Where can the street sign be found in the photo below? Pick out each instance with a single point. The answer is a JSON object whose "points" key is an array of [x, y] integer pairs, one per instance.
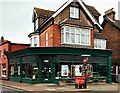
{"points": [[85, 60]]}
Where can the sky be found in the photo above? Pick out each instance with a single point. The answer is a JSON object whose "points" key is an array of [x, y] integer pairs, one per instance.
{"points": [[16, 15]]}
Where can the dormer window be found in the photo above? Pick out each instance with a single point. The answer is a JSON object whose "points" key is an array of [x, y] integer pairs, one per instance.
{"points": [[74, 12]]}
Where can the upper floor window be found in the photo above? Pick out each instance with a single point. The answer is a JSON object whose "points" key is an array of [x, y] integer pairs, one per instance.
{"points": [[46, 39], [74, 12], [99, 44], [31, 42], [35, 41], [0, 54], [36, 24], [72, 35]]}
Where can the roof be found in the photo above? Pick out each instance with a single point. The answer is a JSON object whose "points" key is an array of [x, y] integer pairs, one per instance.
{"points": [[75, 22], [65, 5], [115, 23], [93, 10], [99, 35], [33, 33], [43, 13]]}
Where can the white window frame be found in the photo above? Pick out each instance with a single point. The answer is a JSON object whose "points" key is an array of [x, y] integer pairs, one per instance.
{"points": [[35, 41], [99, 43], [46, 39], [74, 12], [63, 36], [36, 23]]}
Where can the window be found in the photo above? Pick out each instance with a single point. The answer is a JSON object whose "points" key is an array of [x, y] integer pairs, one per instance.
{"points": [[99, 44], [4, 70], [74, 12], [35, 41], [31, 42], [4, 53], [0, 54], [72, 35], [36, 23], [46, 38]]}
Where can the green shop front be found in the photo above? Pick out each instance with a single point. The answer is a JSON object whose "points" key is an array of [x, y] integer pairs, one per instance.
{"points": [[54, 64]]}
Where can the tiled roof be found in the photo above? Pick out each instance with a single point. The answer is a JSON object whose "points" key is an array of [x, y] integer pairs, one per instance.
{"points": [[93, 10], [99, 35], [43, 13], [115, 23], [75, 22]]}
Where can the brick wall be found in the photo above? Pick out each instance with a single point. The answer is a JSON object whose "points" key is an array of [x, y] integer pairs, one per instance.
{"points": [[53, 37], [111, 33]]}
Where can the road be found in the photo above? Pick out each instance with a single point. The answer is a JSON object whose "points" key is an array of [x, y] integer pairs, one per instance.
{"points": [[4, 89]]}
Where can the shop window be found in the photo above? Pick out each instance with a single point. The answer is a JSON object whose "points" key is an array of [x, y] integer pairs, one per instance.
{"points": [[14, 70], [35, 71], [27, 70], [102, 70]]}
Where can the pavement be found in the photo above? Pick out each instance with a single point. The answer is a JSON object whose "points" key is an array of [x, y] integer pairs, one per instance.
{"points": [[63, 88]]}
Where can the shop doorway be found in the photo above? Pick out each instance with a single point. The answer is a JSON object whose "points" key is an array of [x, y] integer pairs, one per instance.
{"points": [[46, 73]]}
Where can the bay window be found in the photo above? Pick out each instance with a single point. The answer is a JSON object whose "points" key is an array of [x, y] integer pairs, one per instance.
{"points": [[99, 44], [72, 35]]}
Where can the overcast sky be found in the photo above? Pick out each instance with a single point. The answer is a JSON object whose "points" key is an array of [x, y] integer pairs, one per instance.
{"points": [[16, 15]]}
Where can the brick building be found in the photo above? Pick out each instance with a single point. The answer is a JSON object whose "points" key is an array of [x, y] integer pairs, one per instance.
{"points": [[59, 43], [111, 29], [6, 45]]}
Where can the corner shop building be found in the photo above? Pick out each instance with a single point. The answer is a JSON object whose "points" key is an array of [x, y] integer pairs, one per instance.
{"points": [[52, 64]]}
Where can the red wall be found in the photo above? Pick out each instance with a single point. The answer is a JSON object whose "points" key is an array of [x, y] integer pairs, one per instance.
{"points": [[10, 47], [15, 47], [53, 37]]}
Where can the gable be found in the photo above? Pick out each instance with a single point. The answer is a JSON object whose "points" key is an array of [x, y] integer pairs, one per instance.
{"points": [[112, 23], [65, 5]]}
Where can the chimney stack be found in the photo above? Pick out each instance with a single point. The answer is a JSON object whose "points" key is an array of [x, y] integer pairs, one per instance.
{"points": [[110, 13], [2, 39]]}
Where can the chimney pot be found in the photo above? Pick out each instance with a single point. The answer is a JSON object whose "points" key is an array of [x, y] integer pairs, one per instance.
{"points": [[110, 13]]}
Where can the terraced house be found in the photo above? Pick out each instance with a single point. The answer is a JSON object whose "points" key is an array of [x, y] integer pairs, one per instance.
{"points": [[111, 29], [59, 43]]}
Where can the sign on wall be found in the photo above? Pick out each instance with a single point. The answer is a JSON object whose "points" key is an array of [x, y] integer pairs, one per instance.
{"points": [[64, 70]]}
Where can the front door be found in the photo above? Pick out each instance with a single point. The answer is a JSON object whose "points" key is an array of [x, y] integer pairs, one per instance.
{"points": [[46, 72]]}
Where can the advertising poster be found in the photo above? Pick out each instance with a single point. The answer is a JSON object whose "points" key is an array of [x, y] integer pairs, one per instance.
{"points": [[65, 70], [78, 70]]}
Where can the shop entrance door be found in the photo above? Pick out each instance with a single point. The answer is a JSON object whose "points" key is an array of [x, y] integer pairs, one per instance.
{"points": [[46, 72]]}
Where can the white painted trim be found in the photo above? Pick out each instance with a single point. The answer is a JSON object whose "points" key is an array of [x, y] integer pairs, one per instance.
{"points": [[81, 3], [90, 15]]}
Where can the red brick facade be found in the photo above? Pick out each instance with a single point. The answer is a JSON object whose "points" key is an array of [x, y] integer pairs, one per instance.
{"points": [[10, 47]]}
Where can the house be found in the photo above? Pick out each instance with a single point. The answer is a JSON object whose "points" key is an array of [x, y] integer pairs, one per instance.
{"points": [[61, 40], [6, 45], [111, 30]]}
